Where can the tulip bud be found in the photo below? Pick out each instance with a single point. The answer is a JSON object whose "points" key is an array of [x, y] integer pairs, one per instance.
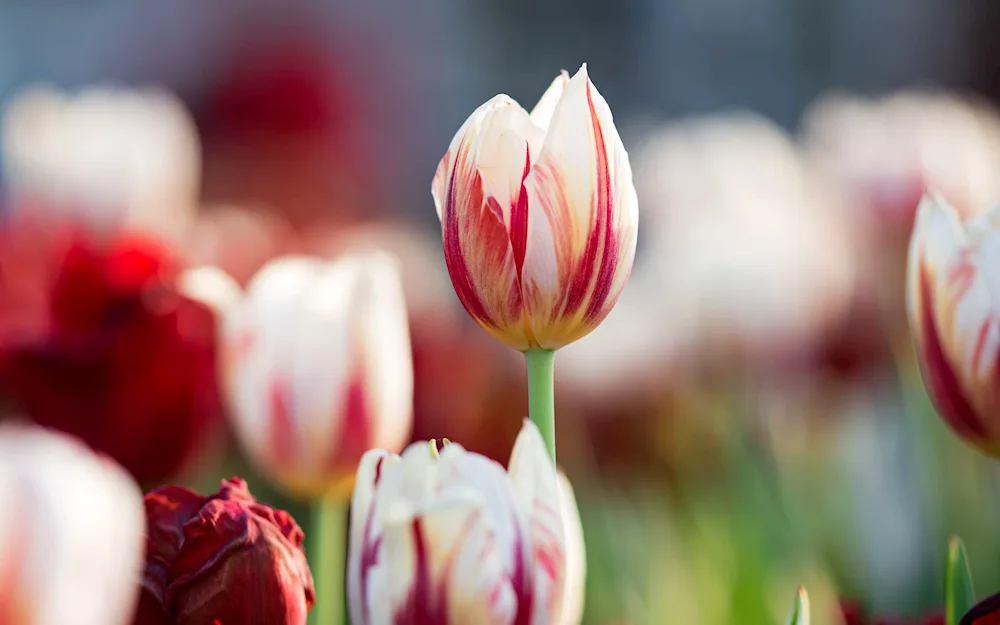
{"points": [[538, 215], [451, 537], [224, 558], [953, 299], [318, 368], [71, 529]]}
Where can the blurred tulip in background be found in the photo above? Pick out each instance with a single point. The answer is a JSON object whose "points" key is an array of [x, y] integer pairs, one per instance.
{"points": [[222, 558], [745, 257], [538, 214], [453, 538], [952, 299], [109, 158], [318, 368], [96, 340], [71, 528]]}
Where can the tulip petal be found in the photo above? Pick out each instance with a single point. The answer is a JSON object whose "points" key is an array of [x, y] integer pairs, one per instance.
{"points": [[953, 314], [571, 610], [363, 552], [444, 568], [541, 115], [582, 219], [385, 368], [261, 343], [537, 489], [477, 247], [211, 286]]}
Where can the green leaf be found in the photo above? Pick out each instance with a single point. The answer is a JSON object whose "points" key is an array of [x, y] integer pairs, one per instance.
{"points": [[800, 608], [958, 593]]}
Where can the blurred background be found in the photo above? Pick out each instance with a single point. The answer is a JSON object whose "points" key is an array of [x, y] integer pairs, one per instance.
{"points": [[750, 417]]}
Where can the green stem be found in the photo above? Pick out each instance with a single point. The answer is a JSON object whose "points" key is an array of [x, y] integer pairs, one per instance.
{"points": [[328, 559], [541, 395]]}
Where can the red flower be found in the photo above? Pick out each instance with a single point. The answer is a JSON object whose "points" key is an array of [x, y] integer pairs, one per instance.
{"points": [[223, 559], [95, 340], [986, 612]]}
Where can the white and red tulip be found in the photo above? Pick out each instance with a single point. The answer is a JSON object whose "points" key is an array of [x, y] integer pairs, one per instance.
{"points": [[452, 538], [71, 532], [104, 158], [317, 367], [538, 215], [953, 300]]}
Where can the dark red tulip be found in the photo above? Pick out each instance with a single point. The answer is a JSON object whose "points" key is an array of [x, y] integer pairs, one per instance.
{"points": [[222, 559], [95, 340], [986, 612]]}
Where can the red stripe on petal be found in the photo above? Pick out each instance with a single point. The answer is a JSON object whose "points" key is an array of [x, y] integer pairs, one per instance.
{"points": [[984, 333], [942, 382], [521, 582], [605, 205], [519, 219], [355, 433], [282, 434], [423, 606], [370, 550], [601, 240], [454, 257]]}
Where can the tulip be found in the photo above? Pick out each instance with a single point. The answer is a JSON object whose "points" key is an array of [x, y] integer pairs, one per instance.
{"points": [[224, 558], [453, 538], [71, 528], [986, 612], [102, 158], [318, 369], [97, 341], [952, 301], [538, 215]]}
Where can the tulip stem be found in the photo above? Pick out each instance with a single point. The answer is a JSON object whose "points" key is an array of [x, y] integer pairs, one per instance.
{"points": [[541, 395], [329, 559]]}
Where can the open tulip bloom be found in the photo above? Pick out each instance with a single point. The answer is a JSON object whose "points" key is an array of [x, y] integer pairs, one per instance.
{"points": [[953, 297], [450, 537], [539, 220]]}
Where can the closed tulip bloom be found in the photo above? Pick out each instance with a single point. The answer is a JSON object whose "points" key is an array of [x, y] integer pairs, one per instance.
{"points": [[538, 215], [224, 558], [453, 538], [318, 368], [953, 300], [71, 532]]}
